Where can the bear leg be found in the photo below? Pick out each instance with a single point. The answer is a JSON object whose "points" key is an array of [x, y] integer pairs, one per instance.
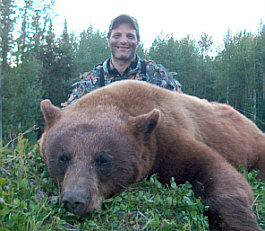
{"points": [[222, 187]]}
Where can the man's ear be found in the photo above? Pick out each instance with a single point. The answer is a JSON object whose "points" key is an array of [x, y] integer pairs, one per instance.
{"points": [[146, 123], [50, 113]]}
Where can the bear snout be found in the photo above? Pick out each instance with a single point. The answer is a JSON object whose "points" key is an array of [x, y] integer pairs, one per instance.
{"points": [[75, 202]]}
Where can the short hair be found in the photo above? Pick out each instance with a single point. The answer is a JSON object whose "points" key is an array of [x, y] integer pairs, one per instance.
{"points": [[124, 18]]}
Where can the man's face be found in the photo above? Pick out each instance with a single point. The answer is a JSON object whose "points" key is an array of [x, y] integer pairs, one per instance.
{"points": [[123, 42]]}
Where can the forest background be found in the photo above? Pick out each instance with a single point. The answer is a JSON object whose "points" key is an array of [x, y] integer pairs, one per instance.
{"points": [[36, 64]]}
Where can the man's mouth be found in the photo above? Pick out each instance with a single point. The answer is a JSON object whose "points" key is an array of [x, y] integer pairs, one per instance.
{"points": [[123, 48]]}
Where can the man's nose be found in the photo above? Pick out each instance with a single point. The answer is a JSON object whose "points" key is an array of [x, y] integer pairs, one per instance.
{"points": [[123, 40]]}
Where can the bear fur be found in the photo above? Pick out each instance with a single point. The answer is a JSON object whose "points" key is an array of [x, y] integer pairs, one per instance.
{"points": [[118, 134]]}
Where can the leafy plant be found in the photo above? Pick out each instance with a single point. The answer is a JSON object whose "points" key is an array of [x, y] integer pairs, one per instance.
{"points": [[258, 188]]}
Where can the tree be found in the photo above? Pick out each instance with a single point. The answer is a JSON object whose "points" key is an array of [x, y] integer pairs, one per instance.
{"points": [[142, 52], [223, 67], [205, 80], [92, 50], [23, 40], [260, 55], [178, 56], [239, 78], [48, 58], [164, 50], [64, 70], [6, 27], [7, 20], [22, 91], [21, 99]]}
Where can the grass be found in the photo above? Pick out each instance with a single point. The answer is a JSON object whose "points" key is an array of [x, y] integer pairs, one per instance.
{"points": [[29, 200]]}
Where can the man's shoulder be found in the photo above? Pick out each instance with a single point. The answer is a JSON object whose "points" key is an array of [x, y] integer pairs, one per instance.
{"points": [[98, 66], [149, 62], [153, 63], [92, 74], [153, 66]]}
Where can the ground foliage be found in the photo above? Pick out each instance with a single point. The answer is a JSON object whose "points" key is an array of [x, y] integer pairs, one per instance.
{"points": [[29, 200]]}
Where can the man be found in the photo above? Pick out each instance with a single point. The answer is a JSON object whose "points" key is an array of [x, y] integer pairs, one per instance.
{"points": [[123, 41]]}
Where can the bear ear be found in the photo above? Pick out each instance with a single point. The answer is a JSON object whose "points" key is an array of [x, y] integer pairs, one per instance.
{"points": [[50, 112], [147, 123]]}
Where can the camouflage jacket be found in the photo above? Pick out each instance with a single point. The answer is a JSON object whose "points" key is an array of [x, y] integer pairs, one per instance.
{"points": [[104, 74]]}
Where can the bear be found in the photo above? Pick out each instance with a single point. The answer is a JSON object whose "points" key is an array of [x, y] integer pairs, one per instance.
{"points": [[118, 134]]}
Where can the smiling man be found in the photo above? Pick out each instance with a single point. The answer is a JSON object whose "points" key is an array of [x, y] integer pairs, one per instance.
{"points": [[123, 41]]}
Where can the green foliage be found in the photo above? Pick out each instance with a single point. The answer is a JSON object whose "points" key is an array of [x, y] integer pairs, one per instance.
{"points": [[240, 75], [7, 21], [142, 52], [92, 50], [59, 67], [183, 57], [258, 188], [29, 200], [149, 204], [23, 206], [21, 98]]}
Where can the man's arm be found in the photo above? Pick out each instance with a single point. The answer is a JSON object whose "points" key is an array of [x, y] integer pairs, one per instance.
{"points": [[157, 74]]}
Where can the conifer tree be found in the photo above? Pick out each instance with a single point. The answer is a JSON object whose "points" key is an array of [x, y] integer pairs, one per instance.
{"points": [[92, 50], [7, 21]]}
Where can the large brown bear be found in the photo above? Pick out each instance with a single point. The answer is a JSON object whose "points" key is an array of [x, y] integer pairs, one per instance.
{"points": [[128, 130]]}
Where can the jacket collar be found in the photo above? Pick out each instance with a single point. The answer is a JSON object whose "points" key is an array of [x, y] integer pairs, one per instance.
{"points": [[110, 70]]}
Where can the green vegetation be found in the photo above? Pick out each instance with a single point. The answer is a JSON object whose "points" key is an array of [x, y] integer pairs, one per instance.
{"points": [[29, 200]]}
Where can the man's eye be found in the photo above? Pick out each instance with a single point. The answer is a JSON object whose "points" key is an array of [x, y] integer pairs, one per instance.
{"points": [[131, 37]]}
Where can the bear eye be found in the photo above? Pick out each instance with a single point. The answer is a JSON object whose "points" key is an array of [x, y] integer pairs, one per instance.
{"points": [[103, 164], [63, 159]]}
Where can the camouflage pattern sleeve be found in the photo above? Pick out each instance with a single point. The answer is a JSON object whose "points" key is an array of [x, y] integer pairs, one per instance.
{"points": [[89, 81], [157, 74]]}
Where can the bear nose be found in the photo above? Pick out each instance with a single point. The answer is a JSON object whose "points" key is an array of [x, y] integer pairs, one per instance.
{"points": [[74, 202]]}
